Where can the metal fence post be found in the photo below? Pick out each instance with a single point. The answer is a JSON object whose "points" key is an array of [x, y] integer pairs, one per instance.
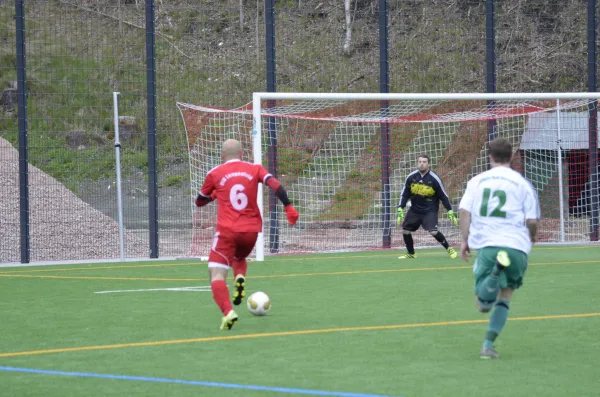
{"points": [[272, 128], [593, 121], [23, 145], [384, 87], [490, 61], [152, 148]]}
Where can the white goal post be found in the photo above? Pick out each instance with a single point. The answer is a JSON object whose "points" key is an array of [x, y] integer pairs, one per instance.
{"points": [[343, 158]]}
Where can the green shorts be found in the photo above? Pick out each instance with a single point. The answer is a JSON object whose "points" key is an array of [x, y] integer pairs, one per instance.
{"points": [[511, 277]]}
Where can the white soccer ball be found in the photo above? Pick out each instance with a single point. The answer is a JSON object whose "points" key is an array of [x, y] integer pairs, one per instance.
{"points": [[259, 303]]}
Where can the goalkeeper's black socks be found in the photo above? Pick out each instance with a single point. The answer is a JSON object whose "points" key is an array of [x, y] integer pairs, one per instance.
{"points": [[408, 241], [442, 240]]}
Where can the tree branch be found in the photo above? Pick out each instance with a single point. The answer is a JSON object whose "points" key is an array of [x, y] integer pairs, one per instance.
{"points": [[166, 37]]}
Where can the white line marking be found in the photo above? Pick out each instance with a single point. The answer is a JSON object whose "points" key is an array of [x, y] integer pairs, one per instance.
{"points": [[203, 288]]}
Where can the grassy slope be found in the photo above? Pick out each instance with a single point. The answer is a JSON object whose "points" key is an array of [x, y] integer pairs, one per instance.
{"points": [[202, 56]]}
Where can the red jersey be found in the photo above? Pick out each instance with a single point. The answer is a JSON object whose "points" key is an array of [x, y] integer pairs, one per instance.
{"points": [[236, 183]]}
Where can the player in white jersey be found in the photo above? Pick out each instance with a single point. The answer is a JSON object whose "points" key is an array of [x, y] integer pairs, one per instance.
{"points": [[499, 215]]}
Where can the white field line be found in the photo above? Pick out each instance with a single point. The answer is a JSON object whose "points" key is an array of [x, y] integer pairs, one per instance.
{"points": [[204, 288]]}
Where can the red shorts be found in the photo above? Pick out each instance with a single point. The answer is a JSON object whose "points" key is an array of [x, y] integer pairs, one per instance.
{"points": [[228, 246]]}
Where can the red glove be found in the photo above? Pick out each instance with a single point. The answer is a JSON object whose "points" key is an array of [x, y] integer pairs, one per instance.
{"points": [[292, 214]]}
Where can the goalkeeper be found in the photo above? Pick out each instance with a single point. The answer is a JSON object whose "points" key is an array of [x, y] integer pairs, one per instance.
{"points": [[425, 189]]}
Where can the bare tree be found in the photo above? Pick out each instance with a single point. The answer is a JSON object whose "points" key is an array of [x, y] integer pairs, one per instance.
{"points": [[120, 17], [349, 20], [257, 30], [242, 15]]}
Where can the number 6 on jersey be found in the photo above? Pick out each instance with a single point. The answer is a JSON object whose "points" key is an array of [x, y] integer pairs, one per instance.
{"points": [[238, 200]]}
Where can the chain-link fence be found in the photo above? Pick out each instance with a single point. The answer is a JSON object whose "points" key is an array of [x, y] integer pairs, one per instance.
{"points": [[216, 53]]}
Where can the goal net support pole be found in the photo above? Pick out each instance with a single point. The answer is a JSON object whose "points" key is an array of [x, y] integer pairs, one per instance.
{"points": [[118, 170], [257, 153], [561, 200]]}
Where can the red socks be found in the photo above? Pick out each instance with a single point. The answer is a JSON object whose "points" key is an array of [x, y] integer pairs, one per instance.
{"points": [[221, 295], [239, 267]]}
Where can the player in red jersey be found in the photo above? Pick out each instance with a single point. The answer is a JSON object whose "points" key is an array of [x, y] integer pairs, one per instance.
{"points": [[234, 184]]}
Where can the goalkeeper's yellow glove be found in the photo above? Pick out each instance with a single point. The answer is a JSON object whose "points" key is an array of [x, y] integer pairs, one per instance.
{"points": [[400, 216], [453, 217]]}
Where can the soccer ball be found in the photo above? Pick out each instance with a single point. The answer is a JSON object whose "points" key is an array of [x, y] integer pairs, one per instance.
{"points": [[259, 303]]}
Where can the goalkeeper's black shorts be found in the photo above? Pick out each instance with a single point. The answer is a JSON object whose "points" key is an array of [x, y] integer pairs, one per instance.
{"points": [[428, 220]]}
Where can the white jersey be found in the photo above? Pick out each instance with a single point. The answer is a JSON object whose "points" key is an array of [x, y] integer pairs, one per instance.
{"points": [[500, 201]]}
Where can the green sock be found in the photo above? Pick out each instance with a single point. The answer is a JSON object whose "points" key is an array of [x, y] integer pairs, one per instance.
{"points": [[497, 322], [488, 288]]}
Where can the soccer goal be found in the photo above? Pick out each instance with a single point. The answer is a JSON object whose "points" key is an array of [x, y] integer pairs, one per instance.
{"points": [[344, 158]]}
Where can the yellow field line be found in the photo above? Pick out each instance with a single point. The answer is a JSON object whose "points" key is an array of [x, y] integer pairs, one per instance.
{"points": [[287, 333], [102, 278], [192, 262], [92, 267], [339, 273]]}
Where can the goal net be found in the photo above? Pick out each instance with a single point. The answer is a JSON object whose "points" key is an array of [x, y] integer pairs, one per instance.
{"points": [[344, 158]]}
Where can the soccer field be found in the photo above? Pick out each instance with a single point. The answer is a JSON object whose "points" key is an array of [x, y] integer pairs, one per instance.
{"points": [[352, 324]]}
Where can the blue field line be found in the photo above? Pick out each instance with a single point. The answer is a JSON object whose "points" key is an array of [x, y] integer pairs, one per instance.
{"points": [[192, 382]]}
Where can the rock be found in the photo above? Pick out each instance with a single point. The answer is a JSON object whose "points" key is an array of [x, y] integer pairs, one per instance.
{"points": [[130, 132], [9, 99], [76, 139]]}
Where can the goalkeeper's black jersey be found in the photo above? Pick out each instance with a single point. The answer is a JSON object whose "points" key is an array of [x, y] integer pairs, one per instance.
{"points": [[424, 192]]}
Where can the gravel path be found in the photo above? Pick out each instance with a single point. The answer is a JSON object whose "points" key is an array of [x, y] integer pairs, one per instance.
{"points": [[63, 227]]}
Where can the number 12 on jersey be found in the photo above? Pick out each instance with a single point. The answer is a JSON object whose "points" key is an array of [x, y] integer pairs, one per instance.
{"points": [[497, 212]]}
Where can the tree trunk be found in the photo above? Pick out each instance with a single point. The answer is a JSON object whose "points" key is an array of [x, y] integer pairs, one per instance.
{"points": [[257, 35], [348, 40], [120, 18], [242, 15]]}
